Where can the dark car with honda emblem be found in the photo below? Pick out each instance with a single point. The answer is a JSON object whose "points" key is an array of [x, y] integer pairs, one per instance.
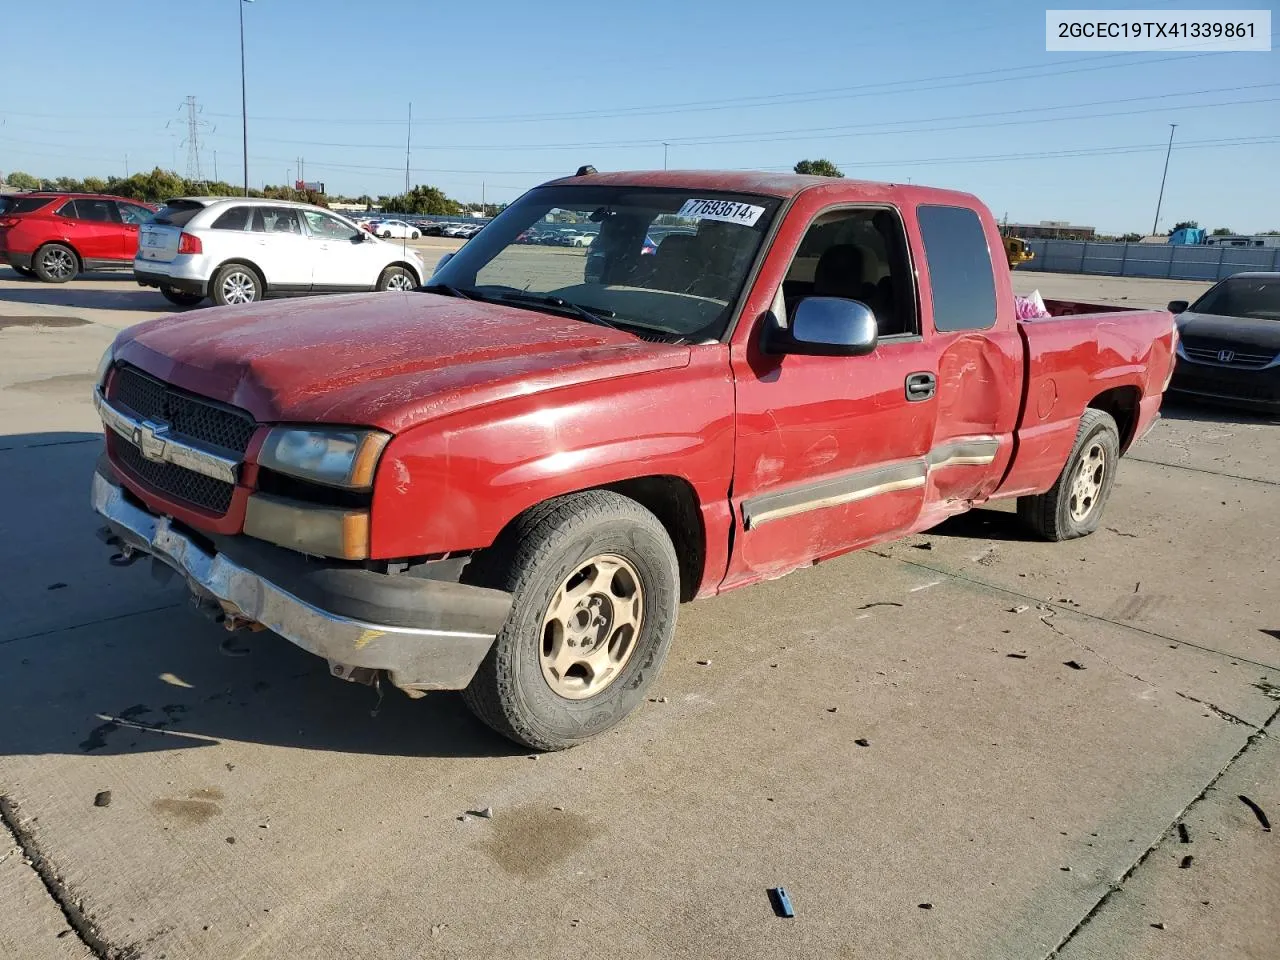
{"points": [[1229, 346]]}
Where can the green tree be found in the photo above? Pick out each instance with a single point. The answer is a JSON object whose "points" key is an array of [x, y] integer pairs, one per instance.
{"points": [[422, 200], [1188, 224], [818, 168], [94, 185], [1131, 238], [23, 181], [1222, 232]]}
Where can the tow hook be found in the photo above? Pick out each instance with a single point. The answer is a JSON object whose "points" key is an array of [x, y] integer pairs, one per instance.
{"points": [[124, 558]]}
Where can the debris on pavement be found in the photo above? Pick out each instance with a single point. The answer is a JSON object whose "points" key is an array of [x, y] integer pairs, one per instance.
{"points": [[925, 906], [832, 709], [1073, 664], [1020, 608], [56, 586], [1186, 862], [863, 742], [485, 814], [927, 545], [1017, 656], [651, 700], [1158, 925], [880, 603], [102, 799], [1184, 835], [1257, 812], [781, 902], [704, 663]]}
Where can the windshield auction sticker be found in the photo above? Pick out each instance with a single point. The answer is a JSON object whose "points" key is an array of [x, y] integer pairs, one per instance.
{"points": [[730, 211], [1195, 31]]}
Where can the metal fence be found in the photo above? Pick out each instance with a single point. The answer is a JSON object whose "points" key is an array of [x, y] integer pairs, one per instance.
{"points": [[1165, 260]]}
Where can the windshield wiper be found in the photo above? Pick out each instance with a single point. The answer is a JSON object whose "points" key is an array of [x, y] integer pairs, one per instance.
{"points": [[597, 316], [446, 289]]}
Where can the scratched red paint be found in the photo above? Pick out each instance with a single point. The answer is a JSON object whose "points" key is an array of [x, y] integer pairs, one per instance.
{"points": [[495, 408]]}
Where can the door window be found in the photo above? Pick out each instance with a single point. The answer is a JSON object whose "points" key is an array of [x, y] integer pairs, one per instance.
{"points": [[857, 254], [95, 211], [276, 220], [964, 288], [326, 227]]}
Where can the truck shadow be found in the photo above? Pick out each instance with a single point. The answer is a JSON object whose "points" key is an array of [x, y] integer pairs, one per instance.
{"points": [[1185, 408], [984, 523], [110, 297], [100, 660]]}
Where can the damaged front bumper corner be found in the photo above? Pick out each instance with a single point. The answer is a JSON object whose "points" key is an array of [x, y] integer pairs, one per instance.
{"points": [[424, 634]]}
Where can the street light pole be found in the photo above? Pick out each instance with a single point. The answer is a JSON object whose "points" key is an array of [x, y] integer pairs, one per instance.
{"points": [[244, 102], [1164, 176]]}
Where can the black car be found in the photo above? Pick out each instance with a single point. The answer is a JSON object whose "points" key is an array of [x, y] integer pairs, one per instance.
{"points": [[1229, 343]]}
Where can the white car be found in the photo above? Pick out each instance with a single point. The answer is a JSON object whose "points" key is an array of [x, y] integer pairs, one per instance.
{"points": [[238, 250], [387, 229], [582, 239]]}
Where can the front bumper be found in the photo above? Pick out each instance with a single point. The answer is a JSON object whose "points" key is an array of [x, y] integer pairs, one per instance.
{"points": [[1252, 389], [425, 634]]}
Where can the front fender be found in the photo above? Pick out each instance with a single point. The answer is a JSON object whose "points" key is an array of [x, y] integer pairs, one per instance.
{"points": [[452, 484]]}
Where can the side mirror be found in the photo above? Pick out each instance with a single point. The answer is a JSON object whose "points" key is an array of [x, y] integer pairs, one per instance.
{"points": [[1177, 306], [824, 327], [440, 265]]}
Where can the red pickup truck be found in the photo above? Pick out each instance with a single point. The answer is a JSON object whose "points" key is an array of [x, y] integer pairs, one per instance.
{"points": [[506, 481]]}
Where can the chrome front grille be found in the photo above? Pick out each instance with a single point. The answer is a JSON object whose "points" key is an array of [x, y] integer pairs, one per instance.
{"points": [[1200, 351], [189, 416]]}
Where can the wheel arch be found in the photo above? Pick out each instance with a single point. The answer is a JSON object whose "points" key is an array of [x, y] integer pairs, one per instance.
{"points": [[242, 261], [1122, 403], [407, 266]]}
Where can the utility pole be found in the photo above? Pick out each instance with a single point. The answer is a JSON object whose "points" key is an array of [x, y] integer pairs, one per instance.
{"points": [[215, 167], [126, 166], [244, 102], [1163, 177], [482, 198], [664, 154], [408, 139]]}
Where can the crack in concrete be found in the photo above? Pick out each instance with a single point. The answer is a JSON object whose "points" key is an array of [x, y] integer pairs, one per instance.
{"points": [[1047, 620], [1074, 610], [91, 623], [72, 908], [1212, 473], [1115, 885], [1222, 714]]}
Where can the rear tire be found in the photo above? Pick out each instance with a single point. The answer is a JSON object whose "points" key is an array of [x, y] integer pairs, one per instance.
{"points": [[595, 584], [397, 278], [179, 298], [235, 284], [55, 263], [1073, 506]]}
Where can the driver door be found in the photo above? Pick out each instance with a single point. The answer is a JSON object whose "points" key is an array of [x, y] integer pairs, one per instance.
{"points": [[831, 451], [340, 260]]}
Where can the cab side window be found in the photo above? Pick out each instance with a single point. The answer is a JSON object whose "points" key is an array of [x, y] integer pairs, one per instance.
{"points": [[857, 254], [964, 288]]}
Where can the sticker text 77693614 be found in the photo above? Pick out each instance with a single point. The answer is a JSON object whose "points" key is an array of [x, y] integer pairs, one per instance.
{"points": [[730, 211]]}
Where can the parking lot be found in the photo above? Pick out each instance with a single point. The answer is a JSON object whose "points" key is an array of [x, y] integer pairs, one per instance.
{"points": [[964, 744]]}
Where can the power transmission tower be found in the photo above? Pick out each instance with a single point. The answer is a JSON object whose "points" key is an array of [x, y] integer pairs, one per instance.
{"points": [[194, 125]]}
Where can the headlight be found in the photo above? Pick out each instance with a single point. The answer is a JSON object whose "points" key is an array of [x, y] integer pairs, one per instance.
{"points": [[104, 366], [335, 456]]}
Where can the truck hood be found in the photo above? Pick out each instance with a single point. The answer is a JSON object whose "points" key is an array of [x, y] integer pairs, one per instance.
{"points": [[386, 360]]}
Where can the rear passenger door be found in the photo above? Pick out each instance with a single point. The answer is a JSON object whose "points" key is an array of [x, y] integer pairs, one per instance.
{"points": [[95, 231], [280, 250], [979, 355]]}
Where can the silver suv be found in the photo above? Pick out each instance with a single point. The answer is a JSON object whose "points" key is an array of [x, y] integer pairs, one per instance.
{"points": [[238, 250]]}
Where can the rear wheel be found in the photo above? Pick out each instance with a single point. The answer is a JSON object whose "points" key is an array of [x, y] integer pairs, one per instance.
{"points": [[595, 584], [55, 263], [235, 283], [396, 278], [385, 234], [179, 298], [1073, 506]]}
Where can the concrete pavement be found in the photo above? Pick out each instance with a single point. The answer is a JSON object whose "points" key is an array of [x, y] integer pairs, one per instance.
{"points": [[1038, 719]]}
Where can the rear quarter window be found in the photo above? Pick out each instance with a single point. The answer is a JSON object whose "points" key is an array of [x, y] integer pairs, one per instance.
{"points": [[237, 218], [13, 205], [178, 212], [964, 288]]}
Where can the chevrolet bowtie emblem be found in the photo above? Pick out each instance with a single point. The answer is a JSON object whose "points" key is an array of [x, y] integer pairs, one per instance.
{"points": [[150, 439]]}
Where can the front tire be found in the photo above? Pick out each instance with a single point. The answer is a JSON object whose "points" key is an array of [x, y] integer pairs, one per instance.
{"points": [[235, 284], [397, 278], [415, 235], [55, 263], [1073, 506], [595, 584], [179, 298]]}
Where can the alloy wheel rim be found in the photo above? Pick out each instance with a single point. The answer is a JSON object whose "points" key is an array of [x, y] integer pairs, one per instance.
{"points": [[239, 287], [399, 281], [58, 263], [591, 627], [1086, 484]]}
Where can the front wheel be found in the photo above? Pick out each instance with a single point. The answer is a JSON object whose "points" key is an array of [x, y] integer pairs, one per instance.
{"points": [[236, 284], [179, 298], [396, 278], [595, 584], [415, 235], [56, 263], [1073, 506]]}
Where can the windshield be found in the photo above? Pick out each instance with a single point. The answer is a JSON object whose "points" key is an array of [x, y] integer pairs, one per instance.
{"points": [[1257, 298], [666, 261]]}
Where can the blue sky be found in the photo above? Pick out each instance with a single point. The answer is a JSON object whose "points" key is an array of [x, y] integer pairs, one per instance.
{"points": [[509, 93]]}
